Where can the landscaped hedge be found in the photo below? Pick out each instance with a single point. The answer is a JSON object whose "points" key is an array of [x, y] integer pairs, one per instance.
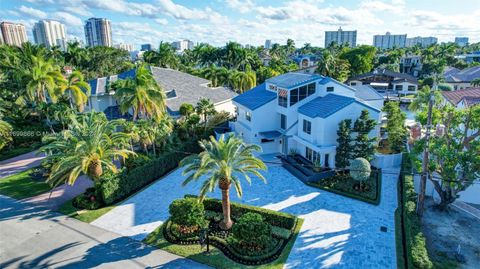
{"points": [[275, 218], [116, 187], [417, 254]]}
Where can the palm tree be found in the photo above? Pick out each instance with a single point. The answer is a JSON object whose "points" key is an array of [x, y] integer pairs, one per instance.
{"points": [[75, 55], [141, 93], [243, 81], [43, 80], [476, 82], [78, 89], [89, 145], [222, 162], [164, 57], [205, 107]]}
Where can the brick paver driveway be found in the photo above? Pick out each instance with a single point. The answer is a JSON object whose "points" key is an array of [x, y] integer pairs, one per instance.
{"points": [[338, 232]]}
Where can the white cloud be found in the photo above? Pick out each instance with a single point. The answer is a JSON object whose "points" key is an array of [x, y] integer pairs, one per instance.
{"points": [[161, 21], [395, 6], [36, 13], [240, 6], [68, 19]]}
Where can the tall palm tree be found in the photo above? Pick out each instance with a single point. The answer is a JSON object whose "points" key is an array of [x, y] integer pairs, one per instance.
{"points": [[223, 162], [89, 146], [78, 89], [141, 93], [243, 81], [75, 55], [43, 80], [163, 57]]}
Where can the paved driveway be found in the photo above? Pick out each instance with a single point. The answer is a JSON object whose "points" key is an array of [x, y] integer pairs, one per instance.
{"points": [[338, 232], [31, 237]]}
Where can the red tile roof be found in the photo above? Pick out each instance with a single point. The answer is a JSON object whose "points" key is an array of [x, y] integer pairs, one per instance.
{"points": [[455, 97]]}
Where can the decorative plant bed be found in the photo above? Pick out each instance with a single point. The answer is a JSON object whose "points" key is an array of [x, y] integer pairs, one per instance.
{"points": [[285, 229], [345, 185]]}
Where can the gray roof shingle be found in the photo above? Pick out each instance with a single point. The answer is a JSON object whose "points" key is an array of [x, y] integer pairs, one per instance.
{"points": [[465, 75], [366, 92]]}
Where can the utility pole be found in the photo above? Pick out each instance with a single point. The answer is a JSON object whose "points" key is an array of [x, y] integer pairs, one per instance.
{"points": [[423, 180]]}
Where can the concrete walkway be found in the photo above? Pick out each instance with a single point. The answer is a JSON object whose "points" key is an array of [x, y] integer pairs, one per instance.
{"points": [[338, 232], [61, 194], [31, 237], [20, 163]]}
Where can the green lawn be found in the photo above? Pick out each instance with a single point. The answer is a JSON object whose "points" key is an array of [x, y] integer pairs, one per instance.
{"points": [[22, 185], [216, 258], [83, 214]]}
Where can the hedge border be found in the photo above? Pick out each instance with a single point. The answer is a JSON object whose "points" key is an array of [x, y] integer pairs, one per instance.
{"points": [[413, 236], [230, 252], [354, 196]]}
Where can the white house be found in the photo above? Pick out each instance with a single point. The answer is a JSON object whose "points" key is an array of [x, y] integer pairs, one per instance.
{"points": [[179, 87], [300, 112]]}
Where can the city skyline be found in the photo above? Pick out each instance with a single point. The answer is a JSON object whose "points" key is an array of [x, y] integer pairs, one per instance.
{"points": [[217, 22]]}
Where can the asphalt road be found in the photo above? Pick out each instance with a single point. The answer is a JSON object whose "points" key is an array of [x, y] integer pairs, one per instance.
{"points": [[34, 237]]}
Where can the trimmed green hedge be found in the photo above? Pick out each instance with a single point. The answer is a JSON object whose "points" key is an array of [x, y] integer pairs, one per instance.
{"points": [[417, 254], [116, 187], [275, 218]]}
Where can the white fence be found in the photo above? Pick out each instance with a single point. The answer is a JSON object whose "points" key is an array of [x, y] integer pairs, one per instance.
{"points": [[387, 160]]}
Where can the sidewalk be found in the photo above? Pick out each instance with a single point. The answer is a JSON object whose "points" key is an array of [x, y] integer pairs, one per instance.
{"points": [[20, 163], [31, 237]]}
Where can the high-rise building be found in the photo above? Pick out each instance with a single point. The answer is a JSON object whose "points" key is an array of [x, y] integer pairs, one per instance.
{"points": [[461, 41], [123, 46], [341, 37], [268, 44], [50, 33], [146, 47], [13, 34], [389, 41], [182, 45], [98, 32], [422, 41], [1, 38]]}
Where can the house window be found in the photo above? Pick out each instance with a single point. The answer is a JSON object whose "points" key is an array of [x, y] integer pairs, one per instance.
{"points": [[307, 126], [283, 121], [330, 89], [236, 111], [326, 160], [248, 115], [411, 88], [293, 96], [272, 88], [311, 89], [353, 84], [398, 88], [282, 97], [302, 93], [266, 140]]}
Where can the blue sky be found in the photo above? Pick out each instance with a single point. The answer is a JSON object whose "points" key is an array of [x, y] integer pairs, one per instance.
{"points": [[252, 21]]}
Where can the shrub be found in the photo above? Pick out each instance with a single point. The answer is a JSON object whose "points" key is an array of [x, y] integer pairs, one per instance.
{"points": [[187, 212], [137, 161], [88, 200], [419, 252], [275, 218], [281, 233], [115, 187], [360, 169], [251, 230]]}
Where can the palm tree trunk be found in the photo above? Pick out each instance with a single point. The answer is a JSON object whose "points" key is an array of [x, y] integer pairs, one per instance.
{"points": [[227, 222]]}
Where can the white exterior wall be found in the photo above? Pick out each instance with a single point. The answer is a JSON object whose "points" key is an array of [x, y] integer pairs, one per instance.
{"points": [[338, 89], [226, 106], [405, 88], [100, 103]]}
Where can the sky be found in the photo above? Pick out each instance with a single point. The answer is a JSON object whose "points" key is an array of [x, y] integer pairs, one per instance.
{"points": [[253, 21]]}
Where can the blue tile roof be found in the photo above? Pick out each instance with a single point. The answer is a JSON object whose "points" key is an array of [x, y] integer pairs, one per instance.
{"points": [[290, 80], [255, 97], [325, 106], [328, 105]]}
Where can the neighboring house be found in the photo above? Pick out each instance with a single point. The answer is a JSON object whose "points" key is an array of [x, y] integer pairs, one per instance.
{"points": [[387, 81], [300, 112], [179, 87], [461, 79], [469, 58], [411, 64], [462, 98], [305, 60], [369, 95]]}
